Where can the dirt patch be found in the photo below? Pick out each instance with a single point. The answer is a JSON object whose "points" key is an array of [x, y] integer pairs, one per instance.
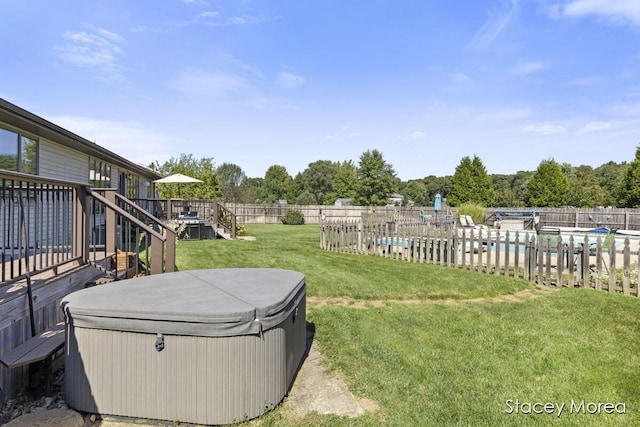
{"points": [[318, 390], [319, 302]]}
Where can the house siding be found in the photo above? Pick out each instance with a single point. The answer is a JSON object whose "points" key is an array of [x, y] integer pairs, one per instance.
{"points": [[57, 161]]}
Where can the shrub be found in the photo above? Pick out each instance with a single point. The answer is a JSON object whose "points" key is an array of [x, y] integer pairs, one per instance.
{"points": [[474, 210], [293, 218]]}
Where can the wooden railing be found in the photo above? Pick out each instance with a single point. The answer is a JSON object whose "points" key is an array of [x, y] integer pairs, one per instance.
{"points": [[598, 261], [148, 244], [42, 225], [213, 211], [48, 223], [225, 219]]}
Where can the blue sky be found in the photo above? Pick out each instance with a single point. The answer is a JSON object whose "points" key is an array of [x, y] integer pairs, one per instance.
{"points": [[289, 82]]}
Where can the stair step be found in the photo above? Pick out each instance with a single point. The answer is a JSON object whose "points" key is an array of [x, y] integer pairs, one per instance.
{"points": [[99, 281]]}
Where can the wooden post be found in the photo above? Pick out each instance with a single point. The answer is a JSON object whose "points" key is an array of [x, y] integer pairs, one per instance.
{"points": [[598, 263], [570, 262], [81, 229], [156, 255], [170, 251], [488, 270], [110, 222], [233, 226], [612, 266], [507, 252], [626, 276], [516, 255]]}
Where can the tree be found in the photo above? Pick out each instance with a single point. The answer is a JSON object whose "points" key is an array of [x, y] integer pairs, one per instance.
{"points": [[375, 180], [344, 183], [506, 195], [416, 191], [630, 191], [306, 198], [610, 177], [436, 185], [249, 190], [202, 169], [275, 185], [297, 188], [319, 176], [230, 177], [470, 183], [585, 189], [548, 186]]}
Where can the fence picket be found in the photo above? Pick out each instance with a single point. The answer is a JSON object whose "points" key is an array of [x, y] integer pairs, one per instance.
{"points": [[626, 289], [544, 261]]}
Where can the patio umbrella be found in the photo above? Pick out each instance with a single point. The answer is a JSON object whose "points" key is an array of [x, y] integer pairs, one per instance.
{"points": [[176, 178]]}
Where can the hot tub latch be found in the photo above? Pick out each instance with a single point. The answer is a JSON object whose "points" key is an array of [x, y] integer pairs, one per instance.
{"points": [[159, 342]]}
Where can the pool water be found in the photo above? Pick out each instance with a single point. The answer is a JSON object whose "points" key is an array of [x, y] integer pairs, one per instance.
{"points": [[512, 248]]}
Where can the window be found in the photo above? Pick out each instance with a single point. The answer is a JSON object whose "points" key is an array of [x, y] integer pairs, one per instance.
{"points": [[133, 186], [28, 155], [18, 152], [8, 150], [99, 173]]}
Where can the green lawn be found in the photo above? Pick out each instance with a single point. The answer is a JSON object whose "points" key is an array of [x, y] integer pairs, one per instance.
{"points": [[438, 363]]}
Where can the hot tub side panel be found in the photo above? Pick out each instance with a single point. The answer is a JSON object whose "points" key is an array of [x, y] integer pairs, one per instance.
{"points": [[205, 380], [296, 339]]}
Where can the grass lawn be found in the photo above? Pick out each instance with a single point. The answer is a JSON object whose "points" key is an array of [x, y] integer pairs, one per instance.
{"points": [[450, 363]]}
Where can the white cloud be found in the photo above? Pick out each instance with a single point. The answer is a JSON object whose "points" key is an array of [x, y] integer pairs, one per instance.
{"points": [[545, 129], [528, 68], [594, 127], [129, 139], [614, 11], [584, 81], [495, 24], [413, 135], [290, 81], [210, 84], [461, 77], [238, 20], [207, 14], [217, 20], [96, 48]]}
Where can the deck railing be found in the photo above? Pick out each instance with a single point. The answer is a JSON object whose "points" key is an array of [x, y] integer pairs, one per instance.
{"points": [[212, 211], [39, 224], [146, 245], [47, 223], [605, 262]]}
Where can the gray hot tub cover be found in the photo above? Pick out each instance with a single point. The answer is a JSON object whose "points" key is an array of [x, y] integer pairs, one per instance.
{"points": [[210, 303]]}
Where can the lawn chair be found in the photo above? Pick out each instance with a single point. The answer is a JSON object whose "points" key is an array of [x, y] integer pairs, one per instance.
{"points": [[473, 225], [606, 246]]}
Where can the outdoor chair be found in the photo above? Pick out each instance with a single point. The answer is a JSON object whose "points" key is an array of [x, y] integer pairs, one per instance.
{"points": [[471, 224]]}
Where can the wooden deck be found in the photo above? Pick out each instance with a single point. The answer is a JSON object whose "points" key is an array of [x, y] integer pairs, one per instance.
{"points": [[36, 349]]}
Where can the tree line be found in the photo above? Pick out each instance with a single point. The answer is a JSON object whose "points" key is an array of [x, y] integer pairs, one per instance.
{"points": [[373, 179]]}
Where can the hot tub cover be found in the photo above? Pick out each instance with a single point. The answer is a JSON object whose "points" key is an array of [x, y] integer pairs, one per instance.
{"points": [[211, 303]]}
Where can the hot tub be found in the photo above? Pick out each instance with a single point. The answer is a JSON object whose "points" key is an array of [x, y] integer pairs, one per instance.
{"points": [[203, 346]]}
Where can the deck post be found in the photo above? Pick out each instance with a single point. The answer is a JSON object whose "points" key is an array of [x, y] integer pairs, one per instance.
{"points": [[81, 228], [110, 222]]}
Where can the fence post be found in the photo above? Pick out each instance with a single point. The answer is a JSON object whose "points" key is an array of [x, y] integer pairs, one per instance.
{"points": [[626, 272], [612, 266], [233, 226], [81, 228]]}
